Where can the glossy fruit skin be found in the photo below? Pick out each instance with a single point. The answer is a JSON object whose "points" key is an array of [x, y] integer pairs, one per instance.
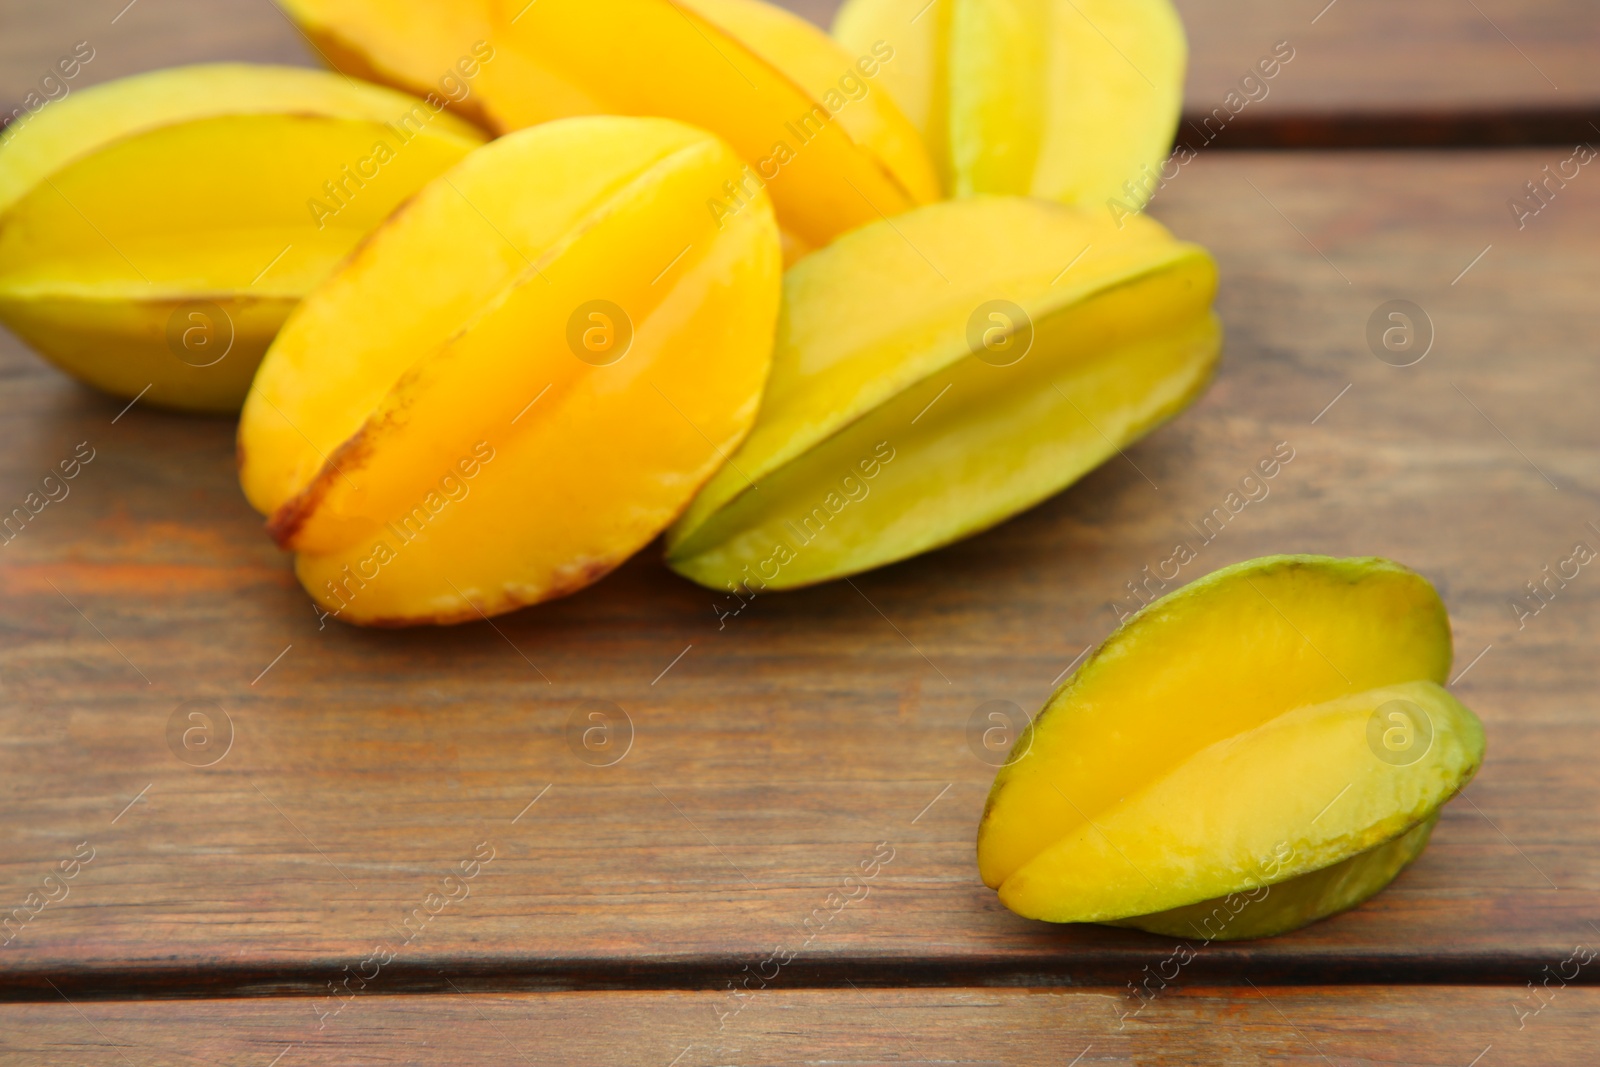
{"points": [[1269, 909], [831, 148], [891, 428], [1245, 709], [1072, 100], [156, 231], [519, 379], [426, 48], [701, 62]]}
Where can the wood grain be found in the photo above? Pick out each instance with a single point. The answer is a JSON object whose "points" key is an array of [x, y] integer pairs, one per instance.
{"points": [[1363, 72], [1368, 55], [771, 754], [1350, 1027]]}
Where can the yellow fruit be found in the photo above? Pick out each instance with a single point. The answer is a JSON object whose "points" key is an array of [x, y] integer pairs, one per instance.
{"points": [[1266, 909], [155, 231], [808, 116], [937, 374], [520, 378], [1072, 100], [1267, 746], [424, 47]]}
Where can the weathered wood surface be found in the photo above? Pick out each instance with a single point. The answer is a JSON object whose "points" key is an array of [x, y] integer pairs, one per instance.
{"points": [[772, 752], [1318, 1027], [1451, 71]]}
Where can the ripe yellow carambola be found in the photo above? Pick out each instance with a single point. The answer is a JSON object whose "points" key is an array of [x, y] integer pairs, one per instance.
{"points": [[155, 231], [520, 378], [807, 115], [937, 374], [1263, 748], [431, 48], [1073, 100]]}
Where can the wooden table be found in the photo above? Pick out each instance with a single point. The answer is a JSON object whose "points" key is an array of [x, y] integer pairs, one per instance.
{"points": [[227, 909]]}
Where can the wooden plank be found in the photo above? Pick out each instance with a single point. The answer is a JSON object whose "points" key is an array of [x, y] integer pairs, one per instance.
{"points": [[1363, 71], [1374, 56], [1351, 1027], [774, 750]]}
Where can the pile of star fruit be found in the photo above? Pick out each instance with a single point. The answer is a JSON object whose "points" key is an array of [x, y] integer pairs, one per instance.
{"points": [[520, 287]]}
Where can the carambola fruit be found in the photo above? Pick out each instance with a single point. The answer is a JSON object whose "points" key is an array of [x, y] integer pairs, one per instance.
{"points": [[427, 48], [1073, 100], [1267, 746], [520, 378], [937, 373], [156, 231], [807, 115]]}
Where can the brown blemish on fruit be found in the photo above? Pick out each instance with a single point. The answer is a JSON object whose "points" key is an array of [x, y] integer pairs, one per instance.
{"points": [[581, 577], [293, 514]]}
